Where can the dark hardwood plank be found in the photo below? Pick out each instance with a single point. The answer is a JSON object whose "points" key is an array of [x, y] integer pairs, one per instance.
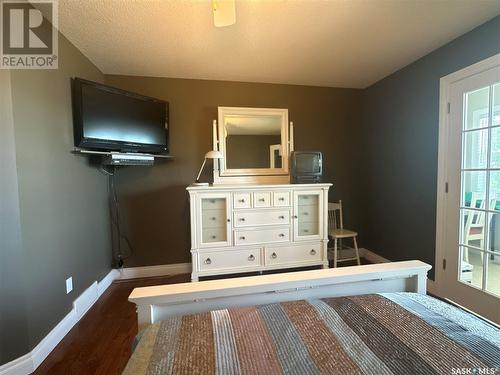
{"points": [[101, 341]]}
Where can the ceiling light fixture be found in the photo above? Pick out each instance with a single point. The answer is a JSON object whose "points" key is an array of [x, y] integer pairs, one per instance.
{"points": [[224, 12]]}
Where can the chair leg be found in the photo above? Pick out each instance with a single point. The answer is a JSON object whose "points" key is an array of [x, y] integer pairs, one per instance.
{"points": [[335, 253], [357, 251]]}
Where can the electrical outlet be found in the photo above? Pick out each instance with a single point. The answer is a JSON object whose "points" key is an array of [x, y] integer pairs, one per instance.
{"points": [[69, 285]]}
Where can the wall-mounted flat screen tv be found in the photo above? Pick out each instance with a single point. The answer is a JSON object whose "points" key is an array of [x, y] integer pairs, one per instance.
{"points": [[110, 119]]}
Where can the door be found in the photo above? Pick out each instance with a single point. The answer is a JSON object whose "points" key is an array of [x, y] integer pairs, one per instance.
{"points": [[307, 215], [472, 240], [214, 228]]}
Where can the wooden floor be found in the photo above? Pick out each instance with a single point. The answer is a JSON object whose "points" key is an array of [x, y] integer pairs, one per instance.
{"points": [[101, 341]]}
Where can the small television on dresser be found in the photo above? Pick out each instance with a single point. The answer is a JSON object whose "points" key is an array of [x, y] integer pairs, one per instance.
{"points": [[307, 167]]}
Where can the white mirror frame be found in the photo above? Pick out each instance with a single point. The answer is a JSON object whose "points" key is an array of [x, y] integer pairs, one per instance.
{"points": [[249, 174]]}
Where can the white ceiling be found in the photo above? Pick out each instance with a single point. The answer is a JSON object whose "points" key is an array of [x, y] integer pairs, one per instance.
{"points": [[340, 43]]}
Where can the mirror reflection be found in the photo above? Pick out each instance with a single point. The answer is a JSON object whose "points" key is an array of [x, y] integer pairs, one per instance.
{"points": [[253, 141]]}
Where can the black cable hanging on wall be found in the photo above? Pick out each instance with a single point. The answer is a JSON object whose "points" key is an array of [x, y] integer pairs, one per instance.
{"points": [[114, 213]]}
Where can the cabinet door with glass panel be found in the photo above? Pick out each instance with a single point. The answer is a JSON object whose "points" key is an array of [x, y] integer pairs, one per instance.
{"points": [[214, 230], [308, 215]]}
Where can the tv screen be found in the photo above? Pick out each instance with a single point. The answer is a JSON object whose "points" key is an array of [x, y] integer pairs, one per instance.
{"points": [[110, 119], [307, 163]]}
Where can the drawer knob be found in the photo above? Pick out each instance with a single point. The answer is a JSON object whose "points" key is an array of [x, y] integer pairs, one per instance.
{"points": [[282, 235], [213, 218], [306, 230], [212, 201], [241, 219], [251, 258], [208, 261], [214, 237], [241, 201], [262, 200], [228, 220], [281, 217], [242, 237], [306, 213], [312, 252], [281, 199], [294, 216], [274, 256]]}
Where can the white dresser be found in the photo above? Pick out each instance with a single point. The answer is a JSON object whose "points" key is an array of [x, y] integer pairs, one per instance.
{"points": [[245, 228]]}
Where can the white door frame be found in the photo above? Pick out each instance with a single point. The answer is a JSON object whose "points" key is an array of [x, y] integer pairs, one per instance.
{"points": [[444, 126]]}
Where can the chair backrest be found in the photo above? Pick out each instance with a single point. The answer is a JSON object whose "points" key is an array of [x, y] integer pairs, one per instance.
{"points": [[335, 215], [475, 218]]}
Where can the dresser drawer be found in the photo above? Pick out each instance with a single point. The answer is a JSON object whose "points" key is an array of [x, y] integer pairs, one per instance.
{"points": [[308, 199], [262, 199], [308, 213], [308, 229], [213, 203], [281, 199], [213, 218], [242, 200], [211, 235], [249, 237], [262, 217], [292, 254], [231, 259]]}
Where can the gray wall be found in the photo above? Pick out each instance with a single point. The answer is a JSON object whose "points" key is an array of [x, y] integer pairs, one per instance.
{"points": [[154, 202], [399, 146], [62, 228], [14, 338]]}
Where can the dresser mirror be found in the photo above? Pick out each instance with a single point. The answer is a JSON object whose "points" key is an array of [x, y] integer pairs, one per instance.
{"points": [[254, 141]]}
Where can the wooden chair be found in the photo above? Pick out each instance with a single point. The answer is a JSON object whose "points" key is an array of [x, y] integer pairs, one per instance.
{"points": [[474, 223], [337, 232]]}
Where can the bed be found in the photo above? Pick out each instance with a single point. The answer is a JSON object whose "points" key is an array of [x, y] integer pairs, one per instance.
{"points": [[387, 332]]}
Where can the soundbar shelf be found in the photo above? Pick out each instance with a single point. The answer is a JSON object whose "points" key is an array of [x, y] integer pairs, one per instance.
{"points": [[123, 158]]}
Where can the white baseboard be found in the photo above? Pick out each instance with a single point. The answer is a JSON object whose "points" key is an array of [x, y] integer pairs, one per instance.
{"points": [[106, 282], [152, 271], [19, 366], [29, 362], [371, 256]]}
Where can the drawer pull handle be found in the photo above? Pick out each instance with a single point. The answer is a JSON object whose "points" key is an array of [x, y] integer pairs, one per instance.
{"points": [[281, 217], [208, 261], [306, 213], [262, 200], [212, 201], [312, 252], [242, 219], [241, 201], [251, 258], [281, 199], [242, 237], [274, 256], [281, 235], [306, 230]]}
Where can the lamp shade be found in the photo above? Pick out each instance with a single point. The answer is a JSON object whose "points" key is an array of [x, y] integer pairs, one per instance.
{"points": [[214, 155]]}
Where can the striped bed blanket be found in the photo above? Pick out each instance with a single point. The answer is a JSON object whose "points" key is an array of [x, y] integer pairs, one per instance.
{"points": [[387, 333]]}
